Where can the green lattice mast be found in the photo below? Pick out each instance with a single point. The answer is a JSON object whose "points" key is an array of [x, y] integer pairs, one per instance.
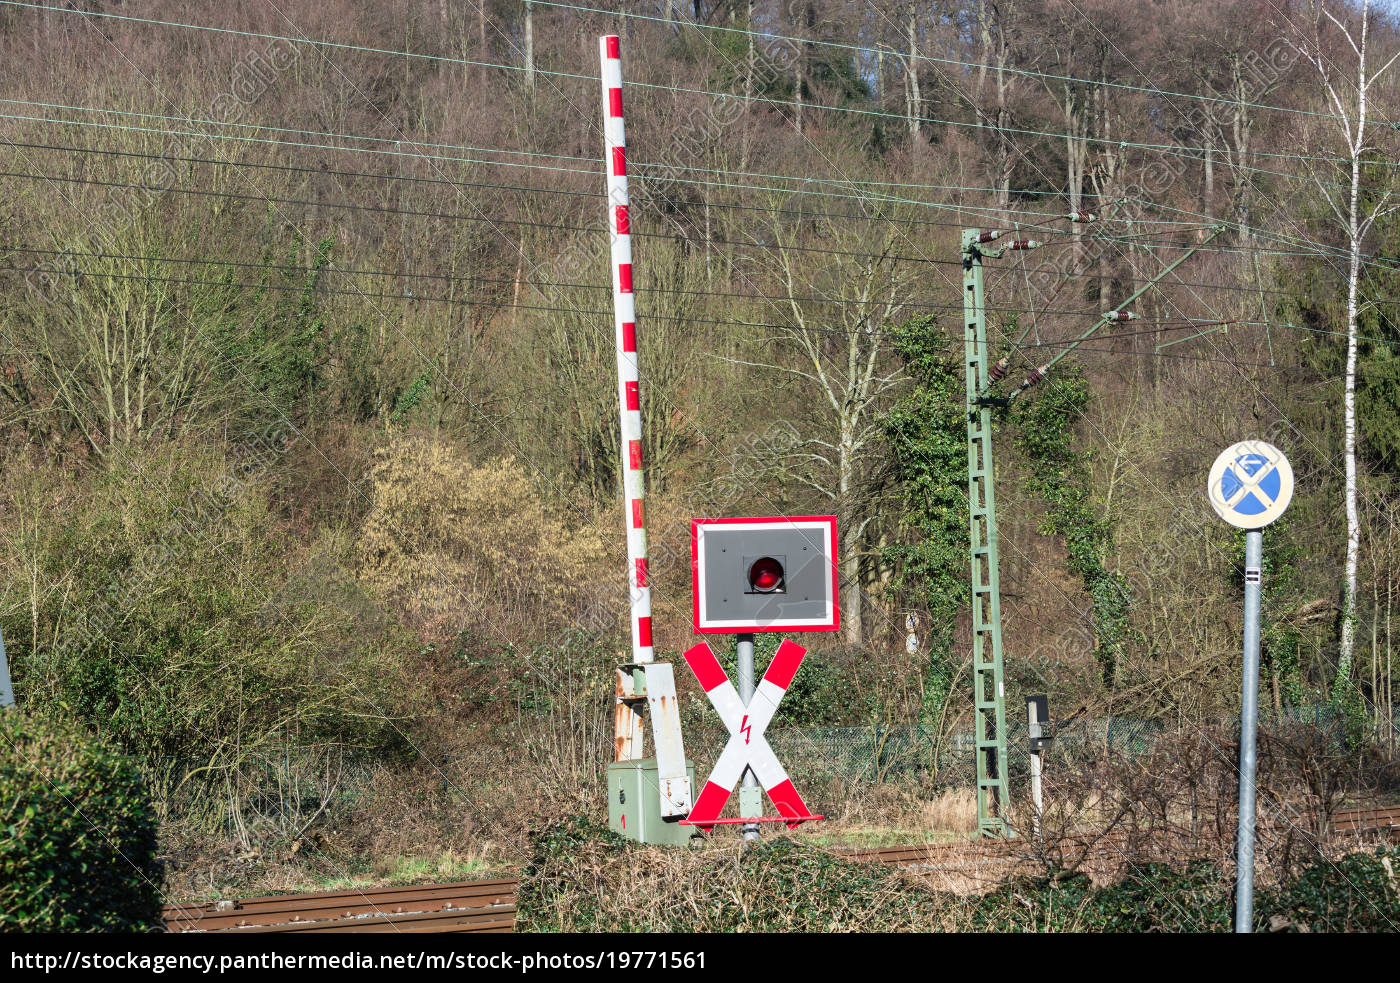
{"points": [[989, 688]]}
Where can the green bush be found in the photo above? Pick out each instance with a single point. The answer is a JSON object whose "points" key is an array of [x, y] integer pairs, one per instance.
{"points": [[165, 604], [1152, 898], [77, 833], [584, 878], [1357, 893]]}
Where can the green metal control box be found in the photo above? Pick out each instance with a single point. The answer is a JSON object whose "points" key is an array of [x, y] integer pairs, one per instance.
{"points": [[634, 803]]}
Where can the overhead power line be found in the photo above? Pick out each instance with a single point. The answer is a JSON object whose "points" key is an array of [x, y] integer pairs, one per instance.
{"points": [[1162, 325], [1311, 247], [916, 303], [303, 40], [449, 182], [454, 216], [1381, 262], [464, 302], [534, 189], [980, 212], [593, 163], [590, 171], [552, 226], [770, 36], [345, 46]]}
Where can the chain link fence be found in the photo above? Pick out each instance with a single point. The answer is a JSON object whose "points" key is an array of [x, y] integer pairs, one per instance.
{"points": [[914, 755], [281, 792]]}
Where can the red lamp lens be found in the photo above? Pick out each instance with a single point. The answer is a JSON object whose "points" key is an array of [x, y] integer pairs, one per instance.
{"points": [[765, 575]]}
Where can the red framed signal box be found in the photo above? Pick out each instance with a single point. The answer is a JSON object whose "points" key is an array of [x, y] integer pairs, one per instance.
{"points": [[764, 574]]}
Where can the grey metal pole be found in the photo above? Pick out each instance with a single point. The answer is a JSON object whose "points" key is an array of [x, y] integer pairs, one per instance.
{"points": [[1249, 729], [7, 691], [1034, 730], [744, 670]]}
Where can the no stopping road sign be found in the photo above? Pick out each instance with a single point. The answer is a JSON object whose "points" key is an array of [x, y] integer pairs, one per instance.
{"points": [[1251, 484]]}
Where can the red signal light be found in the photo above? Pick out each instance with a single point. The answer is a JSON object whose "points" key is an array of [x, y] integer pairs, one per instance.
{"points": [[765, 575]]}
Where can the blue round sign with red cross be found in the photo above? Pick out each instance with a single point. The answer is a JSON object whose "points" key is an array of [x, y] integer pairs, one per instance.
{"points": [[1251, 484]]}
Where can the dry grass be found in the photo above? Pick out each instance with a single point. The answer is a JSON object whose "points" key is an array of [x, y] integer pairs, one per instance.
{"points": [[873, 815], [952, 811]]}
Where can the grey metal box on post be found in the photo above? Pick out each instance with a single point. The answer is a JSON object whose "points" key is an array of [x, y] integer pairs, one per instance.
{"points": [[634, 808]]}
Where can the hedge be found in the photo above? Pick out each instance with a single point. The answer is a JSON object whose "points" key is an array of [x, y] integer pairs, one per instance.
{"points": [[77, 833]]}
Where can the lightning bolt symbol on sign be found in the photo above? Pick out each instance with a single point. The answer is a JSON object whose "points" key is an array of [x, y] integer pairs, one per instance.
{"points": [[744, 728]]}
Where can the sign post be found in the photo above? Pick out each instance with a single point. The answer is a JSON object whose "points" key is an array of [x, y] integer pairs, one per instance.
{"points": [[749, 800], [776, 573], [7, 692], [1250, 485], [1037, 718]]}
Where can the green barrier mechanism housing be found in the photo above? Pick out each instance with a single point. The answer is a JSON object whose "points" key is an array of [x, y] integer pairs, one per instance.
{"points": [[634, 808]]}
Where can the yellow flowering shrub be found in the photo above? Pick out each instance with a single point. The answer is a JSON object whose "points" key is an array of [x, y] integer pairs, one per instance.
{"points": [[475, 545]]}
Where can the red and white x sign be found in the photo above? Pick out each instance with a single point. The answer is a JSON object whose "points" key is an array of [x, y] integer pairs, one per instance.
{"points": [[747, 747]]}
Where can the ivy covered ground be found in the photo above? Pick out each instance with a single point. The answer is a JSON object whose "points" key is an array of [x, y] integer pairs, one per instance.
{"points": [[583, 878]]}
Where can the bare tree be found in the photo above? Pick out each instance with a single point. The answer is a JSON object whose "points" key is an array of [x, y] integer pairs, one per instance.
{"points": [[1222, 54], [841, 310], [998, 44], [1069, 37], [1347, 96]]}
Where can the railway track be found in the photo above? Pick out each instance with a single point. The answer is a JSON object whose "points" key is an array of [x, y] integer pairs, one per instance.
{"points": [[489, 906], [1386, 818], [953, 854], [466, 906]]}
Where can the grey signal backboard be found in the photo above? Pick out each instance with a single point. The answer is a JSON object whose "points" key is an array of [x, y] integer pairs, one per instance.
{"points": [[733, 563]]}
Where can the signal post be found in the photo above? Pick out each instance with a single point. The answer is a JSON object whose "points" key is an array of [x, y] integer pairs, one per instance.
{"points": [[755, 575]]}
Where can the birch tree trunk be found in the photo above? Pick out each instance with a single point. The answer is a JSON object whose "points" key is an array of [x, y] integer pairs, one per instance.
{"points": [[851, 534], [1356, 218], [529, 46], [1242, 124], [1208, 191], [880, 77], [1076, 157], [1348, 640], [915, 101]]}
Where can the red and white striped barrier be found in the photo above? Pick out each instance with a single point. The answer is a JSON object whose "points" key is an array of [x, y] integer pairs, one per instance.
{"points": [[747, 747], [625, 323]]}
